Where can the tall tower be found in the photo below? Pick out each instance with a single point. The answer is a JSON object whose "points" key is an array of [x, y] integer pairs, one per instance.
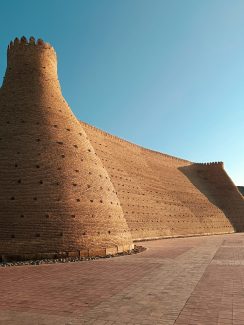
{"points": [[56, 198]]}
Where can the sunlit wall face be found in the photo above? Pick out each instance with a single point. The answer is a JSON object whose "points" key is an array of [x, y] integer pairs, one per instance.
{"points": [[168, 75]]}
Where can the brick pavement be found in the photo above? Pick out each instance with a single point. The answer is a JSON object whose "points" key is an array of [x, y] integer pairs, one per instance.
{"points": [[193, 281]]}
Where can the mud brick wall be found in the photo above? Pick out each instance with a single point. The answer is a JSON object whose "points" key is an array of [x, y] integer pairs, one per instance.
{"points": [[163, 196], [56, 196]]}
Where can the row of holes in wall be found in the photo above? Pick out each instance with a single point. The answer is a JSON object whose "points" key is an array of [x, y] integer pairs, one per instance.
{"points": [[20, 181], [38, 123], [59, 168], [61, 234], [12, 198]]}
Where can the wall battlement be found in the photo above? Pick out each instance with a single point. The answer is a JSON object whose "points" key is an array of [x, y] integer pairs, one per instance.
{"points": [[212, 164], [24, 43], [31, 68]]}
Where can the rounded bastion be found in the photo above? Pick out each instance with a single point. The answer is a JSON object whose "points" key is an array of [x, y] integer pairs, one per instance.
{"points": [[56, 198]]}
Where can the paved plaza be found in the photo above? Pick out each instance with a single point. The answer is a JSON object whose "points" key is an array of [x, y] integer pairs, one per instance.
{"points": [[183, 281]]}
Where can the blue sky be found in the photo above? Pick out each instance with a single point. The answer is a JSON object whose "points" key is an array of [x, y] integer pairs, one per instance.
{"points": [[168, 75]]}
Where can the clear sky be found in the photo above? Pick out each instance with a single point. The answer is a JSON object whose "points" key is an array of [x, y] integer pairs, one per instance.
{"points": [[168, 75]]}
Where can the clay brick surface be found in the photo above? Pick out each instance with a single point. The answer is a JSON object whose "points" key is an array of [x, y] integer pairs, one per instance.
{"points": [[163, 196], [56, 195]]}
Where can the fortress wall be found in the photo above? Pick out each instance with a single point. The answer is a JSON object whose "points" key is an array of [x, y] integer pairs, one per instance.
{"points": [[70, 189], [165, 196], [56, 197]]}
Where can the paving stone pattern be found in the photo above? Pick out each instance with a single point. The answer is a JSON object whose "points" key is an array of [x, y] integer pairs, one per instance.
{"points": [[194, 281]]}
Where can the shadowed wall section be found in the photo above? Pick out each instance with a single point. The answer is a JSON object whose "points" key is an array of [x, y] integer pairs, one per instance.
{"points": [[213, 182], [163, 196], [241, 189]]}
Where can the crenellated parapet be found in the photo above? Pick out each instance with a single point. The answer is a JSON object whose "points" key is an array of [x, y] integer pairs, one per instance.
{"points": [[30, 62], [23, 47], [28, 47], [211, 164], [24, 43]]}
